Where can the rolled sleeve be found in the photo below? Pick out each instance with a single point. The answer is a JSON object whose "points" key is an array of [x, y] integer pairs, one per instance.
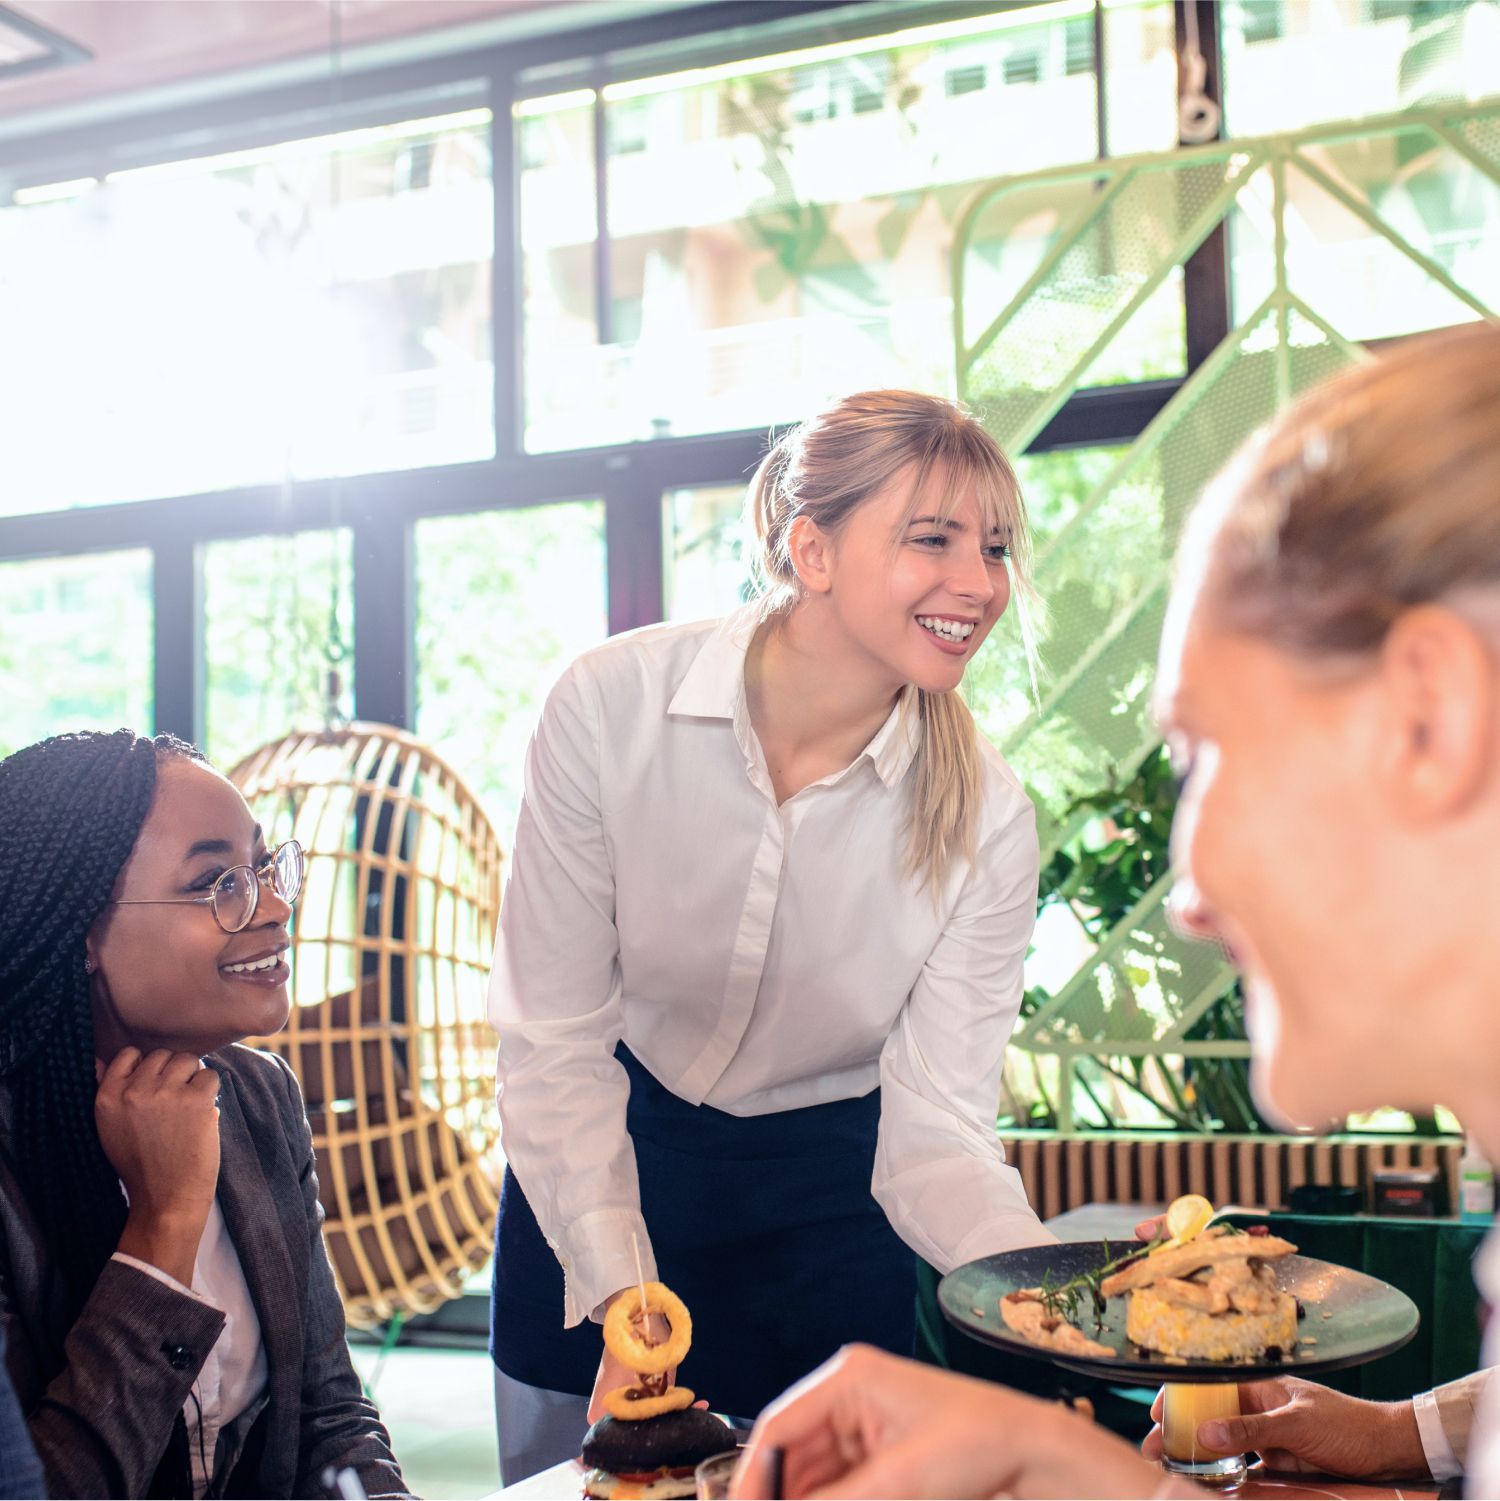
{"points": [[1442, 1463], [555, 1001], [940, 1171]]}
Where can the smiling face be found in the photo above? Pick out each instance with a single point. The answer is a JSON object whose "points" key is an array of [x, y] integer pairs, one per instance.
{"points": [[167, 976], [916, 586], [1335, 834]]}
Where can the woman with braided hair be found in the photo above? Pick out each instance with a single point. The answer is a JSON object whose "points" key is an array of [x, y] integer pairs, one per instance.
{"points": [[170, 1319]]}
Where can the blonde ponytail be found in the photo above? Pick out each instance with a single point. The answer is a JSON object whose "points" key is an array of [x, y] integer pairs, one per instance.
{"points": [[828, 467]]}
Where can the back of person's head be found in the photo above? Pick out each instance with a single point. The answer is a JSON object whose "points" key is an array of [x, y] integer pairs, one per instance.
{"points": [[825, 469], [1377, 492], [71, 809]]}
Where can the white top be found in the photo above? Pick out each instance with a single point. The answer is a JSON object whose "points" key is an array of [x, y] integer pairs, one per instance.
{"points": [[754, 958], [234, 1372]]}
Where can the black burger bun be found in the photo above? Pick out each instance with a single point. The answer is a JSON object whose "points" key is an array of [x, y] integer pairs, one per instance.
{"points": [[675, 1439]]}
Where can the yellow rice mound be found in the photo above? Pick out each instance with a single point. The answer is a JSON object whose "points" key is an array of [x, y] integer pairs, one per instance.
{"points": [[1170, 1329]]}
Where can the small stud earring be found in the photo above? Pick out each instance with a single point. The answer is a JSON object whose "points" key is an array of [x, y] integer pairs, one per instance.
{"points": [[88, 965]]}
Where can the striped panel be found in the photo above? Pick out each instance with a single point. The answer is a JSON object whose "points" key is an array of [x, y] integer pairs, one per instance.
{"points": [[1064, 1172]]}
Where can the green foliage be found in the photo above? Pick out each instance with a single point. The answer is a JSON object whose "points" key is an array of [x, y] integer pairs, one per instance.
{"points": [[1101, 874]]}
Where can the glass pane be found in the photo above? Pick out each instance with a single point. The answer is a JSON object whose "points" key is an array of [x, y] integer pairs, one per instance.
{"points": [[708, 567], [780, 228], [505, 600], [559, 225], [314, 308], [1392, 55], [269, 604], [1056, 486], [75, 646], [1140, 76]]}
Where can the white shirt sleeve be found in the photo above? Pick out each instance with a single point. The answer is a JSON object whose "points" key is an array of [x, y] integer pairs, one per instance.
{"points": [[555, 1001], [940, 1172], [1441, 1460]]}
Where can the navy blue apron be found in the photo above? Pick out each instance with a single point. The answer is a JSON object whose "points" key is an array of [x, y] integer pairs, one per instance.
{"points": [[763, 1225]]}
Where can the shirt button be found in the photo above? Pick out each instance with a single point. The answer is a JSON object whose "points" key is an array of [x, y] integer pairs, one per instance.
{"points": [[179, 1357]]}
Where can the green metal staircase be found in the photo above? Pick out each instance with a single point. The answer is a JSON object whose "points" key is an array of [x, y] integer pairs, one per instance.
{"points": [[1086, 250]]}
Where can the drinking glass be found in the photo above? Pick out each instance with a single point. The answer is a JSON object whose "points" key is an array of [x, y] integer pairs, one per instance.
{"points": [[1184, 1406], [713, 1475]]}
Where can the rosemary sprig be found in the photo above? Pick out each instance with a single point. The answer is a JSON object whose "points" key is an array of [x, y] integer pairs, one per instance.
{"points": [[1066, 1300]]}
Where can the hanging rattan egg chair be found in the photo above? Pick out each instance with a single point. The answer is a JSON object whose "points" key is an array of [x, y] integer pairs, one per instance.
{"points": [[390, 960]]}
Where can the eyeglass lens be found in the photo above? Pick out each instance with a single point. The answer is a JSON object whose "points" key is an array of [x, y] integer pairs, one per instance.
{"points": [[237, 892]]}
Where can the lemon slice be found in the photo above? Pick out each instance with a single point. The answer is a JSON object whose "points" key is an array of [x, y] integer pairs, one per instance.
{"points": [[1187, 1217]]}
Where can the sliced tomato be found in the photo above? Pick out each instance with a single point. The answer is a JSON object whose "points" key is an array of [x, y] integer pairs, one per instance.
{"points": [[648, 1477]]}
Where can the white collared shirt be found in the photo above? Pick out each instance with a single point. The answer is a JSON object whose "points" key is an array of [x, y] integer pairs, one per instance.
{"points": [[754, 958], [233, 1374]]}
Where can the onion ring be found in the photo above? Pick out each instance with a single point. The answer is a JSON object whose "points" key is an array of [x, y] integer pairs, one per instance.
{"points": [[620, 1405], [628, 1347]]}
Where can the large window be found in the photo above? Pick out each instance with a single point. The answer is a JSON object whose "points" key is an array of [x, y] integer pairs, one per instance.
{"points": [[314, 308], [778, 230], [268, 316]]}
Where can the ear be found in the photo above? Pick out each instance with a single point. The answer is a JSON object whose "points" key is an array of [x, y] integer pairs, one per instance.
{"points": [[811, 552], [1439, 678]]}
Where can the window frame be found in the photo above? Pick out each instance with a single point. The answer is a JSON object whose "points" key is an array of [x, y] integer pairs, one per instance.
{"points": [[381, 509]]}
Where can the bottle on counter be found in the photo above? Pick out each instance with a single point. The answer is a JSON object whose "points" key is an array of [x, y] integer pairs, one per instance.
{"points": [[1476, 1183]]}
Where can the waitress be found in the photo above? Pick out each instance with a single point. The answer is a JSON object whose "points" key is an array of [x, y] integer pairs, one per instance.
{"points": [[761, 945]]}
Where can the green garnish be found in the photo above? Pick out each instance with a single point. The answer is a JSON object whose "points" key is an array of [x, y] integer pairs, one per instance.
{"points": [[1062, 1300]]}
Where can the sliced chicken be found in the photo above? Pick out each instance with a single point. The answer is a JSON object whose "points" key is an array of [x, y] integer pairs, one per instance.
{"points": [[1025, 1313], [1204, 1297], [1214, 1246]]}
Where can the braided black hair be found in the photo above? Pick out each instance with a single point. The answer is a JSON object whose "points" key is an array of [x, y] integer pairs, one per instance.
{"points": [[71, 809]]}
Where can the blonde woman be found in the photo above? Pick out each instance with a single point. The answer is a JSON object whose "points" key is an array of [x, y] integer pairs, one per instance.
{"points": [[760, 952], [1330, 685]]}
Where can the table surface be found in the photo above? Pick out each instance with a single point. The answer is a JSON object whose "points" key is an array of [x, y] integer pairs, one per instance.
{"points": [[564, 1482]]}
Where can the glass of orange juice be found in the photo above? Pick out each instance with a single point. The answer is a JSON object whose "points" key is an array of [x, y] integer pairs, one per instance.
{"points": [[1184, 1406]]}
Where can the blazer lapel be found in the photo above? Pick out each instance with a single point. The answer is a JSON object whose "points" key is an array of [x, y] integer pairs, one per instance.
{"points": [[260, 1239]]}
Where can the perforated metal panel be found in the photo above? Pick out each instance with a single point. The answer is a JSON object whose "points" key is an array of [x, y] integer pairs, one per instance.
{"points": [[1337, 211]]}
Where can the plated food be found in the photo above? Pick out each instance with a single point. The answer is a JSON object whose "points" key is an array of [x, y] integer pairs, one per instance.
{"points": [[651, 1437], [1201, 1292]]}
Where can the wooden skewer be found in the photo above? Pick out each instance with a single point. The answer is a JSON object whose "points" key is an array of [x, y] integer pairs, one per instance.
{"points": [[635, 1245]]}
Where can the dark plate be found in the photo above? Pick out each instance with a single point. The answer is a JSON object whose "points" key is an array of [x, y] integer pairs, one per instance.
{"points": [[1353, 1318]]}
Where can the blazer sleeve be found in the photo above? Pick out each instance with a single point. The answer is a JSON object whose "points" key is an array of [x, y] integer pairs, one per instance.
{"points": [[341, 1427], [101, 1425]]}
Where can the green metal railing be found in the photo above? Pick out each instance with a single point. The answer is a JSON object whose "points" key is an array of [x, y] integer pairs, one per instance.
{"points": [[1327, 224]]}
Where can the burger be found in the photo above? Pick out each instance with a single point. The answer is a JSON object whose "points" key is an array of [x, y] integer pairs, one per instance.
{"points": [[651, 1457]]}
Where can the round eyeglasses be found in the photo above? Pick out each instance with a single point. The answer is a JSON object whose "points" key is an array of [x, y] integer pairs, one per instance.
{"points": [[236, 894]]}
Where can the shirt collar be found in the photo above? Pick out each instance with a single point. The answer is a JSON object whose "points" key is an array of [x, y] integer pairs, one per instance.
{"points": [[714, 688]]}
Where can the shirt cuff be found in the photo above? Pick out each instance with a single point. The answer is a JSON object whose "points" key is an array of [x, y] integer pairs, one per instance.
{"points": [[161, 1276], [1441, 1460], [597, 1256], [1011, 1232]]}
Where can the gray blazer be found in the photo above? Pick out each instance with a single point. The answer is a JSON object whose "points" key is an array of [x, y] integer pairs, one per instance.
{"points": [[104, 1399]]}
